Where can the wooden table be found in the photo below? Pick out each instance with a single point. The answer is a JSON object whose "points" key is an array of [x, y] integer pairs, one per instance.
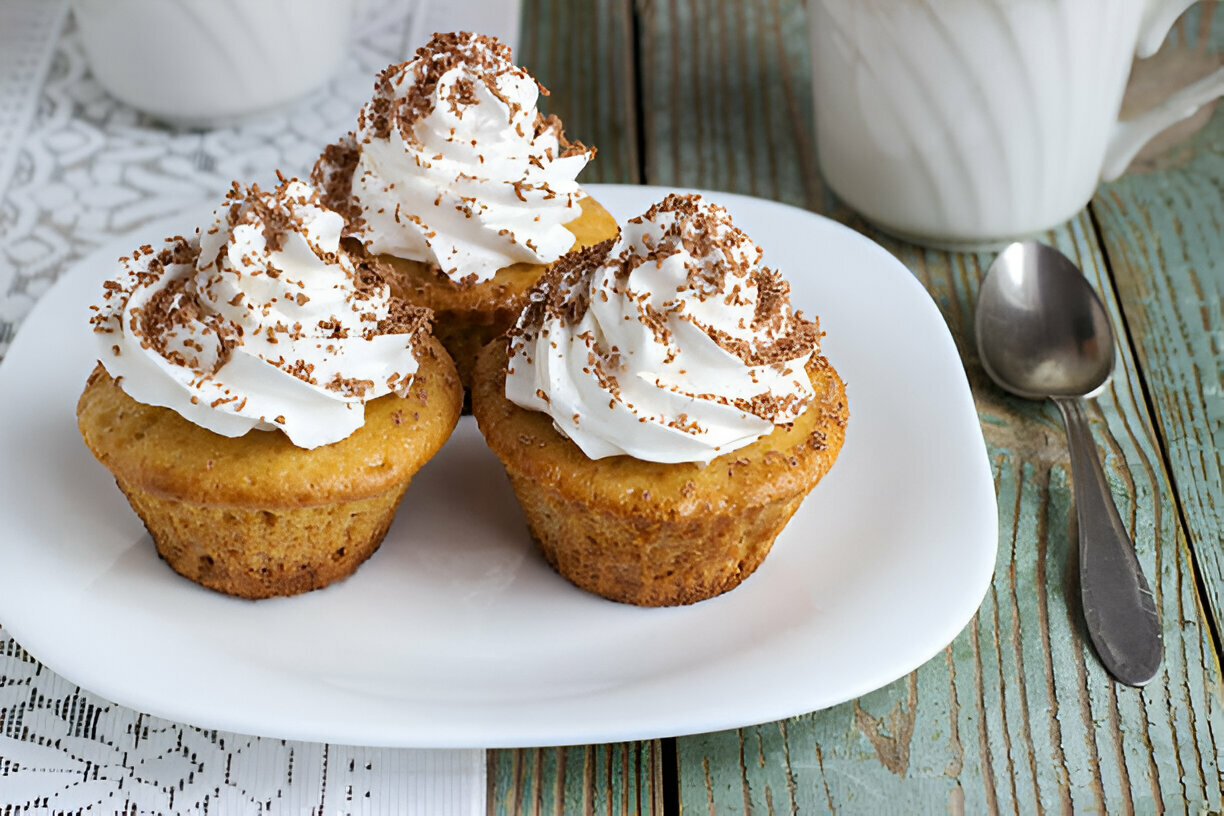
{"points": [[1016, 715]]}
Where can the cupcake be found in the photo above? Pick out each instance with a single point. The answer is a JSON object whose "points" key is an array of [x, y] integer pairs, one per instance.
{"points": [[262, 401], [660, 409], [459, 190]]}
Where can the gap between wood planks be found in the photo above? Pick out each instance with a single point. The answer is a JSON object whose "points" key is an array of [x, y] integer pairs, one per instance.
{"points": [[639, 90], [1200, 584], [671, 777]]}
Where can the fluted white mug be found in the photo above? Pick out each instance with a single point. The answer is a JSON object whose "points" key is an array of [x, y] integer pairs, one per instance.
{"points": [[199, 63], [970, 123]]}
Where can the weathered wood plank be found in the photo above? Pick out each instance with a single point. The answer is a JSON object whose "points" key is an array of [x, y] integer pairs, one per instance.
{"points": [[1017, 714], [583, 53], [1162, 225], [723, 108], [621, 778]]}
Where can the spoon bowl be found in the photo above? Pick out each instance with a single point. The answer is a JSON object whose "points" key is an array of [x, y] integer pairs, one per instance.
{"points": [[1042, 332], [1041, 329]]}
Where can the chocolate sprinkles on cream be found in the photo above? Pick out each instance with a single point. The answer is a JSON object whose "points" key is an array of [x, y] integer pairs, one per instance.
{"points": [[259, 321], [670, 344], [453, 165]]}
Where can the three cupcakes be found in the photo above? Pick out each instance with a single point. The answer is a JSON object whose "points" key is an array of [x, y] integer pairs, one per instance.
{"points": [[267, 389]]}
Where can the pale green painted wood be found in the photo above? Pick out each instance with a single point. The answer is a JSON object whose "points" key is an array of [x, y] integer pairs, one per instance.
{"points": [[723, 108], [1162, 233], [1016, 715], [583, 53]]}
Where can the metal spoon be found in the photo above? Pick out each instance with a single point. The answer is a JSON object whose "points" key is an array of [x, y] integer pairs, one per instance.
{"points": [[1042, 332]]}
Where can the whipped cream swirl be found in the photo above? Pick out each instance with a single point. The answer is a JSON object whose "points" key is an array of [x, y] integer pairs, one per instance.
{"points": [[669, 344], [260, 321], [453, 165]]}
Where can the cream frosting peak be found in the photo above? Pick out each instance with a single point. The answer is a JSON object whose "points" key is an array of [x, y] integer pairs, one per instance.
{"points": [[453, 165], [259, 321], [671, 343]]}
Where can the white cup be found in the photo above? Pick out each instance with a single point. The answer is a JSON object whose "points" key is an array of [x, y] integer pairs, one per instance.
{"points": [[200, 63], [970, 123]]}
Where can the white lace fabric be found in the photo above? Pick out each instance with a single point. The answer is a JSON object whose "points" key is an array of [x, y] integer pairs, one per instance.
{"points": [[78, 168]]}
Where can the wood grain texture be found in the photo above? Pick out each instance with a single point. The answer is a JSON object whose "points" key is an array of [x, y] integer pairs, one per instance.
{"points": [[1162, 227], [620, 778], [584, 54], [725, 98], [1016, 715]]}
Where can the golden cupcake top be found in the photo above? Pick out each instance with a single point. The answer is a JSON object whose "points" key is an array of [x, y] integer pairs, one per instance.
{"points": [[672, 343], [260, 320], [453, 165]]}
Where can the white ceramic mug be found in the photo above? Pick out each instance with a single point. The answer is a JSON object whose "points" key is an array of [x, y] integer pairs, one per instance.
{"points": [[207, 62], [969, 123]]}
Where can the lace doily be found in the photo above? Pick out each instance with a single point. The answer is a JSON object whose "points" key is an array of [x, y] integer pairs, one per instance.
{"points": [[77, 168]]}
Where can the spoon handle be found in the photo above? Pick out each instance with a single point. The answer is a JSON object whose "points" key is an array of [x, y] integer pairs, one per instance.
{"points": [[1118, 604]]}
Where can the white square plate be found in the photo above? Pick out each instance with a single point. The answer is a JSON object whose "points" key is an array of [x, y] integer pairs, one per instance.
{"points": [[456, 633]]}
